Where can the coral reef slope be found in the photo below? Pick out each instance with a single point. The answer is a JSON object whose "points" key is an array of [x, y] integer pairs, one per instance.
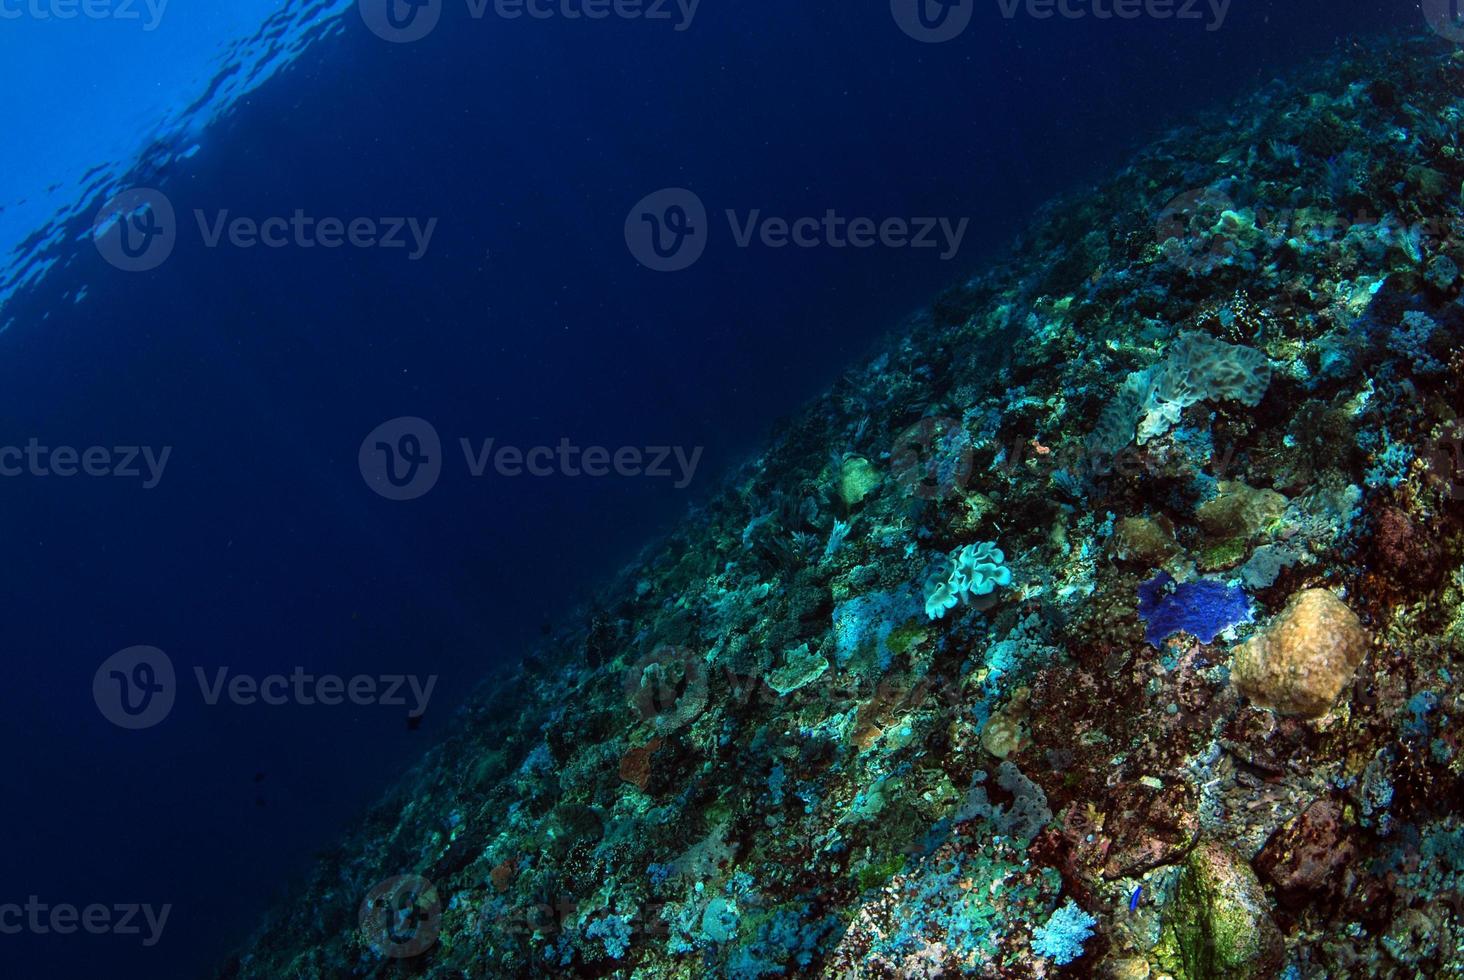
{"points": [[1107, 623]]}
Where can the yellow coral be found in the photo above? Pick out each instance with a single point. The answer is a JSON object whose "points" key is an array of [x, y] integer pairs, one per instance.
{"points": [[1003, 733], [1304, 660]]}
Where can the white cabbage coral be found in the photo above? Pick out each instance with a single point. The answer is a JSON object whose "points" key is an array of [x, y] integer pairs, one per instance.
{"points": [[977, 570]]}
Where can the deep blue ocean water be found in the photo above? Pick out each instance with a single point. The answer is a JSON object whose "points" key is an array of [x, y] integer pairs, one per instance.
{"points": [[526, 319]]}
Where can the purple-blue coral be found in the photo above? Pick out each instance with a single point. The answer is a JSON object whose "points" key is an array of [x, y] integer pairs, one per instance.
{"points": [[1203, 609]]}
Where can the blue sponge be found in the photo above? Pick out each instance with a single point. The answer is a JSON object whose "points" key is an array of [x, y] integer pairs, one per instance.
{"points": [[1203, 609]]}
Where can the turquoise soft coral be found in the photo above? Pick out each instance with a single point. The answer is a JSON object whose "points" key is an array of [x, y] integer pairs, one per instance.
{"points": [[1061, 939], [976, 570]]}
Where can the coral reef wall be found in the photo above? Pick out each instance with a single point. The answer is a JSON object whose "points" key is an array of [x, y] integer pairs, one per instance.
{"points": [[1107, 624]]}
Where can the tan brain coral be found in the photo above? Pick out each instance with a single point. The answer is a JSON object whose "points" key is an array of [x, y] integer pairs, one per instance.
{"points": [[1304, 659]]}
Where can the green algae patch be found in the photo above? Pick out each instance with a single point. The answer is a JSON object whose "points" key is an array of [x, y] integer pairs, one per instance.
{"points": [[1217, 925], [1223, 555], [877, 874], [905, 637]]}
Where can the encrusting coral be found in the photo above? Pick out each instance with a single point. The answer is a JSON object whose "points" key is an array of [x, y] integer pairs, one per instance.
{"points": [[1304, 659]]}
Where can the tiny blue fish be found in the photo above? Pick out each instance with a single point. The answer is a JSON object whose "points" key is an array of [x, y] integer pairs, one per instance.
{"points": [[1134, 901]]}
